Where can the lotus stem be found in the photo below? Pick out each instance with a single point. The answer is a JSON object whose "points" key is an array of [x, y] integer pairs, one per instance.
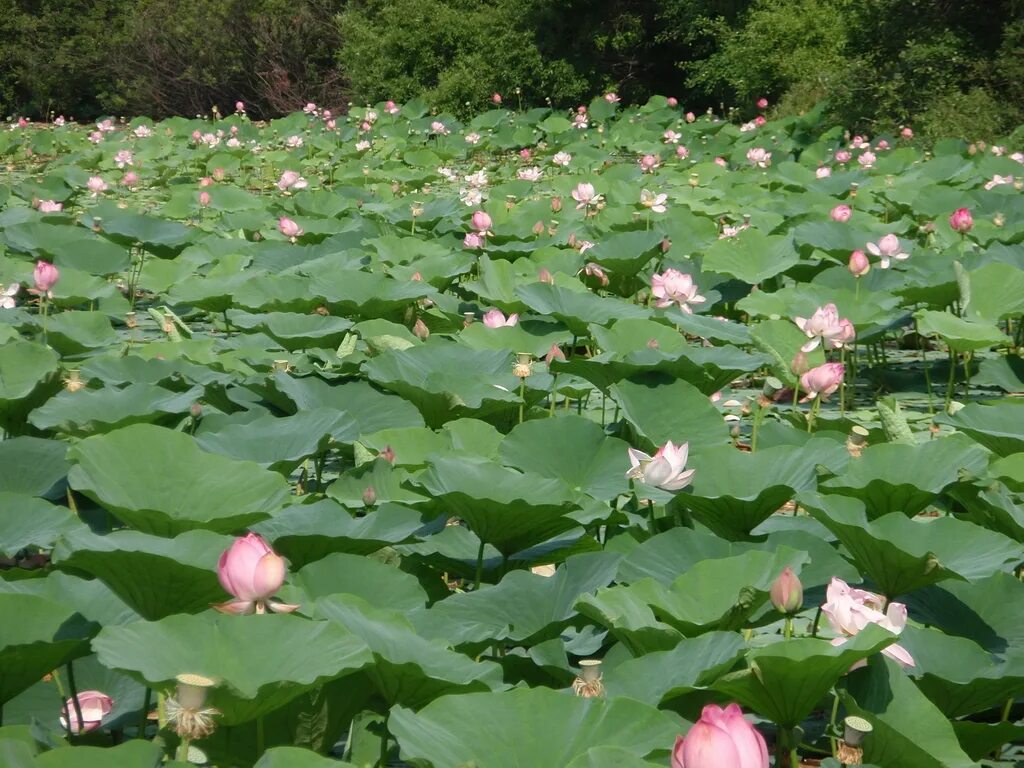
{"points": [[552, 397], [787, 627], [758, 416], [842, 384], [952, 379], [479, 566], [813, 413], [927, 369], [832, 728], [814, 624], [144, 715], [73, 691], [183, 745], [383, 761], [260, 739], [967, 374], [522, 399], [63, 702]]}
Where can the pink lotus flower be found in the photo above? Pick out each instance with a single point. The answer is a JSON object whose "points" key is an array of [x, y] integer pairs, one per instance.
{"points": [[672, 101], [652, 201], [472, 240], [95, 705], [481, 222], [533, 173], [310, 108], [822, 380], [439, 128], [722, 738], [787, 593], [760, 157], [391, 108], [123, 158], [760, 120], [555, 353], [849, 610], [671, 137], [525, 154], [591, 269], [762, 103], [48, 206], [841, 213], [291, 180], [289, 228], [665, 470], [130, 180], [45, 276], [866, 159], [585, 195], [886, 249], [847, 334], [562, 158], [7, 295], [496, 98], [251, 571], [823, 325], [682, 152], [690, 117], [495, 318], [648, 163], [674, 287], [998, 181], [859, 264], [843, 156], [907, 132], [721, 161], [823, 172], [545, 276], [239, 106], [961, 221], [204, 199], [612, 98], [96, 185]]}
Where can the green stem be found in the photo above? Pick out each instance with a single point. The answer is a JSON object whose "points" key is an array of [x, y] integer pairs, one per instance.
{"points": [[479, 566], [842, 384], [183, 745], [63, 702], [787, 628], [651, 526], [522, 399], [814, 626], [832, 722], [758, 416], [260, 737], [383, 761], [73, 692], [144, 716], [967, 375], [551, 404], [813, 414], [952, 379], [927, 369]]}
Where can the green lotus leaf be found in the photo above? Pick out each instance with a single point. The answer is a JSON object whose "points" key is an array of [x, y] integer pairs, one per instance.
{"points": [[659, 677], [997, 292], [74, 247], [72, 333], [29, 522], [365, 294], [91, 598], [304, 533], [295, 757], [893, 477], [626, 253], [154, 575], [908, 730], [254, 658], [991, 424], [572, 449], [373, 410], [662, 409], [609, 757], [960, 335], [540, 727], [577, 308], [127, 228], [24, 367], [528, 335], [379, 584], [981, 739], [508, 509], [295, 331], [447, 381], [160, 482], [408, 669], [786, 680], [131, 754], [781, 340], [33, 466], [902, 554], [751, 256], [101, 410], [522, 605]]}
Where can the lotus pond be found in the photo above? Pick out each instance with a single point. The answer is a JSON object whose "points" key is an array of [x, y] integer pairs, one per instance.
{"points": [[389, 439]]}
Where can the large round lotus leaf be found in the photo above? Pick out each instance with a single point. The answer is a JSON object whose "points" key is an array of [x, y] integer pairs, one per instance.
{"points": [[902, 554], [959, 334], [33, 466], [304, 533], [100, 410], [295, 331], [73, 247], [709, 327], [577, 308], [407, 668], [255, 658], [24, 365], [509, 509], [90, 597], [280, 442], [661, 676], [373, 410], [350, 292], [523, 605], [160, 482], [662, 409], [528, 335], [294, 757], [572, 449], [626, 253], [998, 426], [26, 521], [154, 575], [997, 292], [907, 729], [539, 727], [751, 256], [380, 584], [75, 332], [389, 484], [892, 477], [131, 754], [127, 228], [39, 635], [786, 680]]}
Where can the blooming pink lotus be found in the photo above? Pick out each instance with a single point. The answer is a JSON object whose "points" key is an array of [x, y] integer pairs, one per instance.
{"points": [[675, 287], [45, 276], [96, 185], [561, 158], [671, 137], [823, 172], [204, 199], [472, 240], [612, 98], [439, 128], [822, 380], [823, 325], [48, 206], [391, 108], [886, 249], [7, 300], [648, 163], [682, 152], [907, 132], [843, 156], [130, 180], [762, 103], [652, 201], [95, 705], [532, 173], [288, 227], [866, 159], [585, 195], [665, 470], [291, 180], [759, 156], [496, 98], [495, 318], [841, 213], [849, 610], [481, 222], [722, 738], [251, 571], [961, 220], [859, 264]]}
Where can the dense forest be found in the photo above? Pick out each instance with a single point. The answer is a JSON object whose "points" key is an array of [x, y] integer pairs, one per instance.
{"points": [[949, 67]]}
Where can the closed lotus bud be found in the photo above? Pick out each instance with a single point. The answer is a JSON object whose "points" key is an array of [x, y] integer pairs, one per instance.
{"points": [[556, 204], [369, 496], [999, 219], [800, 364], [859, 264], [961, 221], [94, 705], [388, 454], [665, 244], [420, 330], [538, 228], [545, 276], [195, 410], [204, 199], [45, 276], [218, 174], [787, 593]]}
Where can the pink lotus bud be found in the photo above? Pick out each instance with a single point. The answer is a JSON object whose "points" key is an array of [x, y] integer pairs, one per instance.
{"points": [[760, 120], [496, 98], [196, 135], [288, 227], [762, 103], [388, 454], [538, 228], [420, 330], [555, 353], [206, 181], [859, 264], [239, 106], [822, 380], [722, 738], [648, 163], [672, 101], [195, 410], [843, 156], [218, 174], [95, 705], [45, 276], [787, 593], [130, 179], [682, 152], [799, 363], [416, 277], [369, 496], [690, 117], [722, 162], [481, 222], [545, 276], [525, 153], [666, 244], [204, 198], [841, 213], [907, 133], [252, 572], [556, 204], [961, 221], [472, 240]]}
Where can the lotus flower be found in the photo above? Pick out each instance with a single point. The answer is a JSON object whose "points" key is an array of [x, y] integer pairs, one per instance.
{"points": [[251, 571], [671, 137], [96, 185], [823, 325], [204, 198], [655, 202], [95, 705], [49, 206], [495, 318], [7, 295], [787, 593], [612, 98], [674, 287], [562, 158], [439, 128], [722, 738], [961, 221], [472, 240], [888, 248], [843, 156], [481, 222], [585, 195], [823, 172], [533, 173], [291, 180], [859, 264], [45, 276], [841, 213], [822, 380], [648, 163], [665, 470], [867, 159], [289, 228], [849, 610], [762, 158]]}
